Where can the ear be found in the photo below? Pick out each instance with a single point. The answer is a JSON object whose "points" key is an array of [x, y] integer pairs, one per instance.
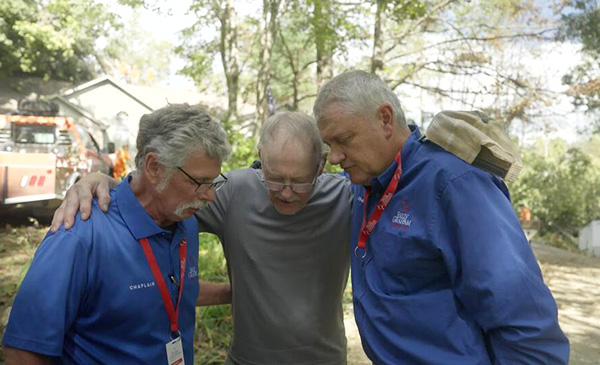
{"points": [[153, 169], [322, 163], [386, 115]]}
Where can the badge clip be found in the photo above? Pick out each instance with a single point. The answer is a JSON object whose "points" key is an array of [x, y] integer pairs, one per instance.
{"points": [[356, 255]]}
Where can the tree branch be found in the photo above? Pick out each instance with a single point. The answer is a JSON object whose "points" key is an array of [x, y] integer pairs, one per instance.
{"points": [[407, 76], [307, 96], [288, 52], [307, 65], [415, 27], [483, 39]]}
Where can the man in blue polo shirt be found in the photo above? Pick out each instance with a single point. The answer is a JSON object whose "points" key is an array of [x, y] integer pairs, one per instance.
{"points": [[121, 287], [441, 270]]}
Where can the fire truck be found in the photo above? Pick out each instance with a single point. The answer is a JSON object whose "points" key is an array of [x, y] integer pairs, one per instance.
{"points": [[42, 154]]}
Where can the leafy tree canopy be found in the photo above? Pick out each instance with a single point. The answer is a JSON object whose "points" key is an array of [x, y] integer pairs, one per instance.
{"points": [[582, 23], [53, 39]]}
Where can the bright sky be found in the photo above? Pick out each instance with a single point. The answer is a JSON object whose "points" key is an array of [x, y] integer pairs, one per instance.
{"points": [[169, 27], [557, 58]]}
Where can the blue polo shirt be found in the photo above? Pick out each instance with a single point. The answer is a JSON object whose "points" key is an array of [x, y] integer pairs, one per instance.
{"points": [[448, 276], [90, 296]]}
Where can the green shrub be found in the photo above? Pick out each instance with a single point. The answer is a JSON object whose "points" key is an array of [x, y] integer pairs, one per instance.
{"points": [[560, 184], [214, 324]]}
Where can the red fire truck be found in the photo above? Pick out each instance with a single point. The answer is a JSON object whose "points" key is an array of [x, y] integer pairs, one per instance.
{"points": [[42, 154]]}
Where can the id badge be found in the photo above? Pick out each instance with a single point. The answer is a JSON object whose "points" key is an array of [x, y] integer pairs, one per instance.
{"points": [[175, 352]]}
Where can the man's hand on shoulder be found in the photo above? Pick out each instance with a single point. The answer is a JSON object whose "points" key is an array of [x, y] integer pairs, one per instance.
{"points": [[79, 198]]}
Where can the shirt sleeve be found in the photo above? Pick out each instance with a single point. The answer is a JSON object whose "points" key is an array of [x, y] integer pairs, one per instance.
{"points": [[495, 275], [50, 295], [211, 218]]}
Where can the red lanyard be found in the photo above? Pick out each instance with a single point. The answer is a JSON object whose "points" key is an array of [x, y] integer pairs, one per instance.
{"points": [[367, 228], [173, 313]]}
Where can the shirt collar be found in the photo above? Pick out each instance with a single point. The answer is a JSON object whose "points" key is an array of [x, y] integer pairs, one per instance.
{"points": [[380, 183], [139, 222]]}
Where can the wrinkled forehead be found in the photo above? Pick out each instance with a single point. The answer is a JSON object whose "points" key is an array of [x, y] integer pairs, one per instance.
{"points": [[290, 157], [337, 113], [335, 121]]}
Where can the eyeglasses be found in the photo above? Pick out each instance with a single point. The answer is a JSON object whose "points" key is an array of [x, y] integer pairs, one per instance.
{"points": [[296, 187], [204, 187]]}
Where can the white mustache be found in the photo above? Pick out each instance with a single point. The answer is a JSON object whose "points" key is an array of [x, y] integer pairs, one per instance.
{"points": [[198, 204], [291, 200]]}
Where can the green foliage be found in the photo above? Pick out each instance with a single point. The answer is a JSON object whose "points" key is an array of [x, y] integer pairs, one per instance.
{"points": [[199, 64], [198, 50], [214, 327], [402, 9], [331, 24], [560, 184], [583, 24], [214, 324], [212, 260], [75, 40], [52, 39], [243, 147], [308, 30], [153, 4], [133, 45], [293, 53], [560, 241], [332, 168]]}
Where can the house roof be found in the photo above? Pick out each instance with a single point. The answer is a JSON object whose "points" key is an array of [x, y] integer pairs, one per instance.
{"points": [[13, 89], [81, 111], [102, 80]]}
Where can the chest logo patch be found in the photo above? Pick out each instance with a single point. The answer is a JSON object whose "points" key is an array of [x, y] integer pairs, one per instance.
{"points": [[192, 273], [402, 218]]}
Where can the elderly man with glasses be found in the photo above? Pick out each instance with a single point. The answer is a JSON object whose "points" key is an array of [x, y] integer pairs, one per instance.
{"points": [[122, 287], [203, 187], [285, 233]]}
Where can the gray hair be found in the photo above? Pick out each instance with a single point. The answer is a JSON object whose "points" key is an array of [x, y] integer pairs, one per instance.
{"points": [[360, 93], [297, 125], [177, 130]]}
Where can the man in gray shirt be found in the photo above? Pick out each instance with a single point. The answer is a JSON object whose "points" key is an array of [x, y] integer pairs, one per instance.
{"points": [[285, 233]]}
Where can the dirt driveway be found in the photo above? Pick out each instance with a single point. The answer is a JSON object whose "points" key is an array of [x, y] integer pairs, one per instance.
{"points": [[573, 278], [575, 282]]}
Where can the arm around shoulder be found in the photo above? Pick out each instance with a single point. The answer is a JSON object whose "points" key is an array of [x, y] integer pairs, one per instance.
{"points": [[213, 294], [79, 198], [13, 356]]}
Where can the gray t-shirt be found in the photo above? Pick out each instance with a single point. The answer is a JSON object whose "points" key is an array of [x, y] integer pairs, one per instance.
{"points": [[288, 273]]}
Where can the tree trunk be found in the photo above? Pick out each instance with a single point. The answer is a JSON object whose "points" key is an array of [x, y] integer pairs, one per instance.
{"points": [[229, 52], [378, 37], [269, 28], [323, 39], [294, 68]]}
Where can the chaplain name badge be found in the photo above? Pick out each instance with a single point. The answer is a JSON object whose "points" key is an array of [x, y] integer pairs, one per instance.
{"points": [[175, 352]]}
